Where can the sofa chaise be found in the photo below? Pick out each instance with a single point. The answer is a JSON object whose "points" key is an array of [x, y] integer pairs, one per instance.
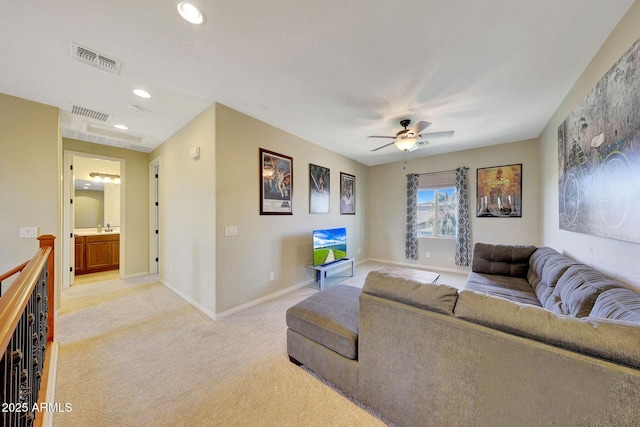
{"points": [[534, 339]]}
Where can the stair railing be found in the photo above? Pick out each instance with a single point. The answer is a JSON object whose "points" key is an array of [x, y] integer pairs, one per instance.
{"points": [[26, 335]]}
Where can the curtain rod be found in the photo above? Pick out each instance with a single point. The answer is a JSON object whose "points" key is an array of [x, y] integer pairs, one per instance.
{"points": [[438, 173]]}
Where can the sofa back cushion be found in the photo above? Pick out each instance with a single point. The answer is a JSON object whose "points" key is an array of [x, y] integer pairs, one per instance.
{"points": [[546, 265], [577, 290], [408, 289], [503, 260], [617, 304], [608, 339]]}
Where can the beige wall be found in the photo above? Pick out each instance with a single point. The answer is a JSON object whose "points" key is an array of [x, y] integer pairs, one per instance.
{"points": [[29, 184], [387, 204], [187, 212], [281, 244], [136, 175], [616, 258]]}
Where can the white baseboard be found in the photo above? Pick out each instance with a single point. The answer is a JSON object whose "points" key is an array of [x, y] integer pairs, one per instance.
{"points": [[132, 276], [197, 305], [47, 417], [242, 307], [265, 298]]}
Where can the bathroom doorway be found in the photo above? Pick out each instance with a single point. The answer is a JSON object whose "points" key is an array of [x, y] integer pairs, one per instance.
{"points": [[94, 220]]}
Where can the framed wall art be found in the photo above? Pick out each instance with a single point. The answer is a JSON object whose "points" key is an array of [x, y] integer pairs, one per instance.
{"points": [[499, 191], [319, 189], [347, 194], [276, 183]]}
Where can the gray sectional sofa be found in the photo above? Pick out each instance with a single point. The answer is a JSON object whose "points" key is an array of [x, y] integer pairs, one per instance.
{"points": [[534, 339]]}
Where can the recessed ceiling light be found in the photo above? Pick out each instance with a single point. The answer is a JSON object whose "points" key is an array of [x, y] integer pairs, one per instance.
{"points": [[121, 127], [190, 12], [142, 93]]}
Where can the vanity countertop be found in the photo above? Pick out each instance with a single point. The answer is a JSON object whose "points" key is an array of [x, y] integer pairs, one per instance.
{"points": [[94, 231]]}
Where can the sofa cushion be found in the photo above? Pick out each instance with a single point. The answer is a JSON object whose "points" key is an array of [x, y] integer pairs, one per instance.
{"points": [[608, 339], [504, 260], [411, 290], [617, 304], [330, 318], [512, 288], [577, 290], [546, 266]]}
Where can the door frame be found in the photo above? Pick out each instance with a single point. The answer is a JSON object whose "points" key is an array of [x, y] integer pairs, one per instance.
{"points": [[154, 216], [68, 242]]}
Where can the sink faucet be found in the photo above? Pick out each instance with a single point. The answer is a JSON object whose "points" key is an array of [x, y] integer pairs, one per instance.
{"points": [[108, 227]]}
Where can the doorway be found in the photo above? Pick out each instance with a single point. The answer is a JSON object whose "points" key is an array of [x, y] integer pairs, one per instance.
{"points": [[94, 218]]}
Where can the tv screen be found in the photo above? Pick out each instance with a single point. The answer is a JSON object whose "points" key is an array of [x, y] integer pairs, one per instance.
{"points": [[329, 245]]}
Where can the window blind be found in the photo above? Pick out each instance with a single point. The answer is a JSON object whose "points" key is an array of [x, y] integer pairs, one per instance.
{"points": [[437, 180]]}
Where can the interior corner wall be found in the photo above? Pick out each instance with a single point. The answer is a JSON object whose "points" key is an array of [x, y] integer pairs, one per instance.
{"points": [[136, 177], [29, 184], [187, 212], [615, 258], [387, 205], [281, 244]]}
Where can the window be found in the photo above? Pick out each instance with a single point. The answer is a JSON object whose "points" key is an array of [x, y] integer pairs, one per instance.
{"points": [[437, 205]]}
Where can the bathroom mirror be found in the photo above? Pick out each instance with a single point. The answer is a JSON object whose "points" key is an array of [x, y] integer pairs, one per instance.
{"points": [[96, 203]]}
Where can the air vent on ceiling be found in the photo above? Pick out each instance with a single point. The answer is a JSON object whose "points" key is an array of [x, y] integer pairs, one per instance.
{"points": [[90, 114], [94, 58]]}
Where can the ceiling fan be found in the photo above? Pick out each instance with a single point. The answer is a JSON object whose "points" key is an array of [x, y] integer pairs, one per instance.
{"points": [[406, 139]]}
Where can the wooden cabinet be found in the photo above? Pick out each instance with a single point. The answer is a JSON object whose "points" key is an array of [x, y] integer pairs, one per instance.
{"points": [[97, 253]]}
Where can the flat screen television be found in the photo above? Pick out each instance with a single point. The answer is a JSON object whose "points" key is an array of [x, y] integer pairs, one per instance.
{"points": [[329, 245]]}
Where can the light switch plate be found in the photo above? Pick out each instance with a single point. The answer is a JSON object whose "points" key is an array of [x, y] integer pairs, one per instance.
{"points": [[28, 232], [231, 230]]}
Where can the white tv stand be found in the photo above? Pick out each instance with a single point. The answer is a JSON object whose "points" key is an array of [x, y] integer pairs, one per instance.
{"points": [[322, 269]]}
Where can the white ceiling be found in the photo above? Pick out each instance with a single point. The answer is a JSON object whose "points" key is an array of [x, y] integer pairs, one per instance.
{"points": [[331, 72]]}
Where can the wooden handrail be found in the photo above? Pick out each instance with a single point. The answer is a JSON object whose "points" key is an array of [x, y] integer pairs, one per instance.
{"points": [[10, 273], [14, 301], [25, 294]]}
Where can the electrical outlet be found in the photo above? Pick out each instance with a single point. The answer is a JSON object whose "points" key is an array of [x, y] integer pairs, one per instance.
{"points": [[428, 254], [272, 276]]}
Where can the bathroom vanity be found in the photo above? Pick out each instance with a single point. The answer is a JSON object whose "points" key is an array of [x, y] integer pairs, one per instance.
{"points": [[96, 251]]}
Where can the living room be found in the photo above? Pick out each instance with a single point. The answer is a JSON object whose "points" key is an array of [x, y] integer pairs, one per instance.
{"points": [[219, 189], [222, 275]]}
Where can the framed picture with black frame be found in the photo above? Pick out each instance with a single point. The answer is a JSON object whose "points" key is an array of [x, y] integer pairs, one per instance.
{"points": [[347, 194], [276, 183], [499, 191]]}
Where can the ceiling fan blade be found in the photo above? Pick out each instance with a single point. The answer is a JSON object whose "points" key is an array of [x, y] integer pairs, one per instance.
{"points": [[380, 136], [445, 134], [386, 145], [419, 127]]}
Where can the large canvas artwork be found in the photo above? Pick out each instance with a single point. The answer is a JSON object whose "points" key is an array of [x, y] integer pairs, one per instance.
{"points": [[599, 156]]}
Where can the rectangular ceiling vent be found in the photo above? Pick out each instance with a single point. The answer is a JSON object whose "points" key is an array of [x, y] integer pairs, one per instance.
{"points": [[90, 114], [95, 59]]}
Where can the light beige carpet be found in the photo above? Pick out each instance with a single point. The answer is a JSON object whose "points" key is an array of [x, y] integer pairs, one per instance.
{"points": [[132, 353]]}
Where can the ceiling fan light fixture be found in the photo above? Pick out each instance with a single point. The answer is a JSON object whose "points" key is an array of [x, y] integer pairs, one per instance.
{"points": [[190, 13], [405, 144]]}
